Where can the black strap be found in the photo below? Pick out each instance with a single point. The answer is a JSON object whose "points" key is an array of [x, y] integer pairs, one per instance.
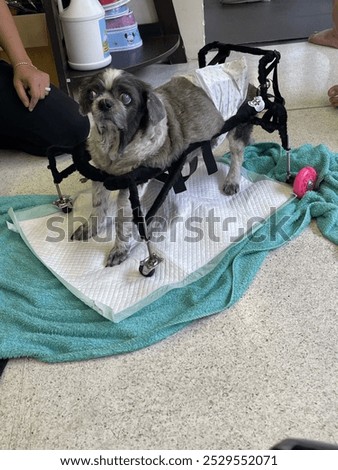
{"points": [[179, 185], [209, 158], [174, 174]]}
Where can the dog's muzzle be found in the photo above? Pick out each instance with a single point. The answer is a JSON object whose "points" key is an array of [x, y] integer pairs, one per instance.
{"points": [[103, 115], [105, 104]]}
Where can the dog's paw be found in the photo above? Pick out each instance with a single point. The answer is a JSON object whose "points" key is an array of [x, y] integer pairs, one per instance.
{"points": [[117, 256], [230, 188], [82, 233]]}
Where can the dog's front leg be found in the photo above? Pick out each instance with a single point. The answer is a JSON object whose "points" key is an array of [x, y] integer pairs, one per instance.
{"points": [[124, 230], [238, 138], [98, 217]]}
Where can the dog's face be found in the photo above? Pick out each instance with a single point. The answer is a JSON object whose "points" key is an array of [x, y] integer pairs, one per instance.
{"points": [[120, 105]]}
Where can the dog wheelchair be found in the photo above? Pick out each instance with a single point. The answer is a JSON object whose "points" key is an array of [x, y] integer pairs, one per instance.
{"points": [[269, 103]]}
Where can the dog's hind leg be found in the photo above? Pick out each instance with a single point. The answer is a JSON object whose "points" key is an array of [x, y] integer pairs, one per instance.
{"points": [[239, 138], [124, 230], [98, 217]]}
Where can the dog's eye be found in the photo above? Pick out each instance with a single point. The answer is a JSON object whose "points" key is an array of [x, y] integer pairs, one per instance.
{"points": [[125, 98], [92, 95]]}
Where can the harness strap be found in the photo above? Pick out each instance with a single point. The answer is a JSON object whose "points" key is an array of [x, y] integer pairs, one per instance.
{"points": [[174, 172], [209, 158], [179, 185]]}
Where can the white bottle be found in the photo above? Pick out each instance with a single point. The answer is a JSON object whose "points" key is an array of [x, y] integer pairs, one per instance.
{"points": [[84, 29]]}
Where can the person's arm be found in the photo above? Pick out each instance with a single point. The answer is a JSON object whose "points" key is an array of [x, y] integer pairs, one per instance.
{"points": [[29, 82]]}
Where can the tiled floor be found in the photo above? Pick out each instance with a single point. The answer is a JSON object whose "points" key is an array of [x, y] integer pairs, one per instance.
{"points": [[265, 370]]}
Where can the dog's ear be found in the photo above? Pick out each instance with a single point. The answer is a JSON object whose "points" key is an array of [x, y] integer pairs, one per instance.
{"points": [[84, 102], [85, 96], [156, 109]]}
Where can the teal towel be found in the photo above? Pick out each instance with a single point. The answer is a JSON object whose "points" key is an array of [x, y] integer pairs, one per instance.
{"points": [[322, 205], [40, 318]]}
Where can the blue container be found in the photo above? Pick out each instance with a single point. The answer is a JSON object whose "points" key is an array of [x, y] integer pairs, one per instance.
{"points": [[124, 39]]}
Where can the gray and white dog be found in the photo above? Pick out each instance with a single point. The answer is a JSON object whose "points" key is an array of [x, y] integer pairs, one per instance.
{"points": [[134, 124]]}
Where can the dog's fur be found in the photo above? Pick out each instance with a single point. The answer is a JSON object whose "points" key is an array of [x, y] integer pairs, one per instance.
{"points": [[133, 125]]}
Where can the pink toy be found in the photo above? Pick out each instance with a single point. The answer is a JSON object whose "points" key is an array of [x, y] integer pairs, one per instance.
{"points": [[304, 181]]}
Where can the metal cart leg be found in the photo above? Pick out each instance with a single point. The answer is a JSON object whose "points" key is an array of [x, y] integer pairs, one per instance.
{"points": [[64, 203], [149, 264]]}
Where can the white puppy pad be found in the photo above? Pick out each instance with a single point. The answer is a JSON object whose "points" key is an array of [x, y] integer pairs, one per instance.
{"points": [[203, 224]]}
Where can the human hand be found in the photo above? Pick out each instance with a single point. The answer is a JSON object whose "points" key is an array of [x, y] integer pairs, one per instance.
{"points": [[30, 84]]}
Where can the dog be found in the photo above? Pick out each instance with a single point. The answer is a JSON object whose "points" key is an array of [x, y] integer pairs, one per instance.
{"points": [[134, 124]]}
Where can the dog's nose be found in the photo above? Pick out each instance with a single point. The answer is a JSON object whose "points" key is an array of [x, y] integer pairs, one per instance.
{"points": [[105, 104]]}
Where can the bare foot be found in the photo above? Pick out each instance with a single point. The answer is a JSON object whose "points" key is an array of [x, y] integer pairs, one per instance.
{"points": [[333, 96], [327, 37]]}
